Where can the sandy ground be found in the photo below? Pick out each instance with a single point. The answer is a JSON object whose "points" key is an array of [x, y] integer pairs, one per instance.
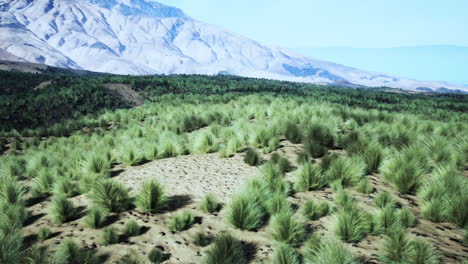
{"points": [[188, 178]]}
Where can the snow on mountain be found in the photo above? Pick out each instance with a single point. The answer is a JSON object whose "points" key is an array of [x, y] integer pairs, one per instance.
{"points": [[145, 37]]}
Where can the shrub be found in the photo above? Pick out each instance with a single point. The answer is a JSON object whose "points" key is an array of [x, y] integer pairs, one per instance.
{"points": [[348, 171], [225, 250], [110, 195], [11, 191], [109, 236], [384, 199], [309, 177], [205, 143], [350, 225], [151, 197], [396, 248], [404, 172], [283, 163], [201, 239], [62, 210], [273, 180], [156, 256], [209, 204], [251, 157], [278, 203], [311, 211], [132, 229], [330, 251], [181, 222], [43, 233], [284, 227], [96, 217], [422, 252], [97, 165], [245, 212], [406, 218], [364, 186], [284, 254]]}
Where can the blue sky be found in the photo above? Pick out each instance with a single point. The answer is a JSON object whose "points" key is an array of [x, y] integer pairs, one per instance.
{"points": [[305, 24]]}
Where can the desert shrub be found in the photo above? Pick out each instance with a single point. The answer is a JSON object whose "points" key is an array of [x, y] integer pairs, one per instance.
{"points": [[350, 225], [225, 250], [109, 236], [284, 254], [278, 203], [396, 247], [156, 256], [404, 171], [245, 212], [328, 251], [205, 143], [151, 197], [62, 210], [293, 133], [364, 186], [181, 222], [43, 233], [384, 199], [96, 217], [132, 229], [309, 177], [209, 204], [65, 186], [422, 252], [202, 239], [347, 171], [405, 218], [110, 195], [251, 157], [284, 227], [313, 211]]}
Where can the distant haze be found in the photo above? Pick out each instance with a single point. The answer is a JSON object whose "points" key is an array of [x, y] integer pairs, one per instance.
{"points": [[434, 63]]}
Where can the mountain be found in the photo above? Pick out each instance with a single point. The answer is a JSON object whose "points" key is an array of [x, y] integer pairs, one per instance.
{"points": [[142, 37]]}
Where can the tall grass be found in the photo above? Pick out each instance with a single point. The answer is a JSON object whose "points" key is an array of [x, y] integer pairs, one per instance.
{"points": [[225, 250], [313, 211], [181, 222], [277, 203], [151, 197], [251, 157], [209, 204], [284, 254], [284, 227], [329, 251], [62, 210], [347, 171], [396, 247], [309, 177], [110, 195], [350, 225], [384, 199], [205, 143], [245, 212]]}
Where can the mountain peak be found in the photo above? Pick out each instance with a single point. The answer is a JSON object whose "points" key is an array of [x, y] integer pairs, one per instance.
{"points": [[141, 7]]}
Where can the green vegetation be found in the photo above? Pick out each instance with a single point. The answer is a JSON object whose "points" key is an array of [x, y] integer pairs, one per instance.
{"points": [[62, 210], [156, 256], [284, 254], [181, 222], [225, 250], [132, 229], [284, 227], [384, 199], [95, 217], [209, 204], [110, 195], [309, 177], [201, 239], [251, 157], [313, 211], [245, 212], [43, 233], [109, 236], [350, 225], [151, 197], [327, 251]]}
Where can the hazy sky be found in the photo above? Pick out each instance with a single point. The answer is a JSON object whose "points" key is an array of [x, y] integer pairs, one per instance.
{"points": [[325, 23]]}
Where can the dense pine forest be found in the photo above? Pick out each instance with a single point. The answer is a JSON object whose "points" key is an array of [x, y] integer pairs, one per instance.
{"points": [[332, 174]]}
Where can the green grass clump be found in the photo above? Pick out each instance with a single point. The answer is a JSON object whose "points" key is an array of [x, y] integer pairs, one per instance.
{"points": [[315, 149], [278, 203], [68, 252], [11, 244], [364, 186], [434, 210], [386, 219], [293, 133], [201, 239], [109, 236], [62, 210], [313, 211], [309, 177], [251, 157], [347, 171], [225, 250], [151, 197], [396, 248], [327, 252], [97, 165], [43, 234], [95, 217], [284, 254], [406, 218], [132, 229], [37, 255], [129, 156], [209, 204], [110, 195], [181, 222], [372, 155], [404, 171], [284, 227], [205, 143], [344, 199], [422, 252], [156, 256], [66, 187], [385, 199], [245, 212], [11, 191], [319, 134], [283, 163], [131, 258], [42, 184], [350, 225]]}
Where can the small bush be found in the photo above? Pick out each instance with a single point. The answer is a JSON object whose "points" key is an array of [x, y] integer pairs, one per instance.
{"points": [[434, 210], [348, 171], [315, 149], [95, 217], [97, 165], [205, 143], [201, 239], [110, 195], [251, 157], [43, 183], [132, 229], [283, 163], [350, 225], [329, 251], [344, 199], [245, 212], [406, 218], [181, 222], [278, 203], [457, 209], [284, 254], [309, 177], [284, 227], [151, 197], [319, 133], [225, 250], [62, 210], [293, 133], [156, 256], [109, 236], [384, 199], [66, 187], [312, 211], [364, 186], [11, 191], [209, 204], [396, 248], [422, 252], [129, 156], [44, 233], [372, 155], [404, 172], [386, 219]]}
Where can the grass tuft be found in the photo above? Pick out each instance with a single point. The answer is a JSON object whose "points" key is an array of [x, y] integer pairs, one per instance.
{"points": [[312, 211], [209, 204], [245, 212], [95, 217], [62, 210], [132, 229], [151, 197], [109, 236], [309, 177], [225, 250], [385, 199], [284, 254], [347, 171], [43, 234], [181, 222], [251, 157], [350, 225], [110, 195], [284, 227]]}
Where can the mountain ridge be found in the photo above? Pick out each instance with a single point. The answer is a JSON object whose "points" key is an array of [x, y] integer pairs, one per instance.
{"points": [[141, 37]]}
